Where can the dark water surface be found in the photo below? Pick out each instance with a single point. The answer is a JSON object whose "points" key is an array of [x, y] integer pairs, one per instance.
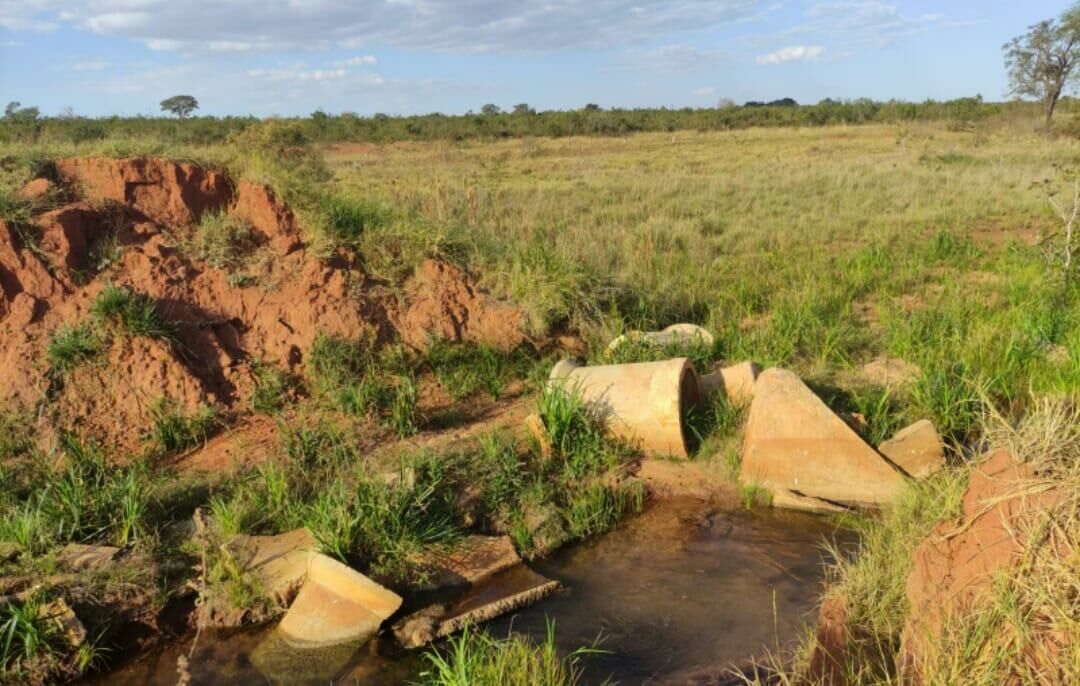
{"points": [[675, 594]]}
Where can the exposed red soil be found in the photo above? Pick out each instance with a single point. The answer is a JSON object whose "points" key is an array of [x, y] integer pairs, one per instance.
{"points": [[443, 304], [38, 188], [955, 567], [168, 193], [223, 325]]}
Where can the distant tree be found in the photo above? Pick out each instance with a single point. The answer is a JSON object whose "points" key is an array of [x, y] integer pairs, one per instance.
{"points": [[725, 104], [523, 108], [1041, 62], [490, 109], [180, 105], [17, 112], [592, 107]]}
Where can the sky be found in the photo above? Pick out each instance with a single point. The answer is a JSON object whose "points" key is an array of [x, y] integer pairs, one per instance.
{"points": [[291, 57]]}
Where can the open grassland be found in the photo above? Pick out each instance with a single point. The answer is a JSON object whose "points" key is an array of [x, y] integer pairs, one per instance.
{"points": [[812, 248]]}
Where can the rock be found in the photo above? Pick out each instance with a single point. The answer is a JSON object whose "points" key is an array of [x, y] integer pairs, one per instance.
{"points": [[277, 565], [699, 479], [535, 426], [279, 561], [336, 605], [9, 552], [87, 557], [511, 590], [793, 501], [673, 335], [35, 190], [471, 561], [71, 628], [737, 381], [794, 442], [890, 371], [917, 449], [956, 565]]}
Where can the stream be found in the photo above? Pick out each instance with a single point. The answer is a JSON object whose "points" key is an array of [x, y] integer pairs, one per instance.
{"points": [[675, 594]]}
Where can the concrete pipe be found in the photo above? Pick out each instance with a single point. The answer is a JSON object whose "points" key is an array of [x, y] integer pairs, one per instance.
{"points": [[645, 403], [336, 605]]}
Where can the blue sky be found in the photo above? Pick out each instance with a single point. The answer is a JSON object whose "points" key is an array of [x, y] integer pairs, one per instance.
{"points": [[290, 57]]}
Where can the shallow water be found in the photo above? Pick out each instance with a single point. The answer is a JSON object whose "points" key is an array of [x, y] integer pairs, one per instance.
{"points": [[680, 591]]}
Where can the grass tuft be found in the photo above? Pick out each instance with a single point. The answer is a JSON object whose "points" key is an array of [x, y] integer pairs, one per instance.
{"points": [[475, 658]]}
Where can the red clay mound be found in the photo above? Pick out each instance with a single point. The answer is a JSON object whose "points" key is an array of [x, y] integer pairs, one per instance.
{"points": [[443, 303], [169, 193], [956, 565], [267, 308], [258, 206], [66, 234], [112, 400]]}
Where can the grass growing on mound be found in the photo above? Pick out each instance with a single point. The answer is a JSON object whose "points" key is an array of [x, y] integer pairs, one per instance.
{"points": [[475, 658], [1028, 629], [70, 346], [132, 314], [1025, 629], [176, 430], [222, 240]]}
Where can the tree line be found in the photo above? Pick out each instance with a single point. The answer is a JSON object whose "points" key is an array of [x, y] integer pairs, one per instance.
{"points": [[522, 121]]}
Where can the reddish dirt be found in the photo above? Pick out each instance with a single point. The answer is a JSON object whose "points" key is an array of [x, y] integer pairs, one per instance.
{"points": [[250, 442], [168, 193], [442, 303], [222, 325], [955, 566], [38, 188]]}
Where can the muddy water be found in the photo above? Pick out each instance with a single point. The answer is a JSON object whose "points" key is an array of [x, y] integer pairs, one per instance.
{"points": [[678, 593]]}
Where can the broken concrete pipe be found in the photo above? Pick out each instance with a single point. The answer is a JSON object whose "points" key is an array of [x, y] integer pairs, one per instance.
{"points": [[336, 604], [672, 335], [645, 403]]}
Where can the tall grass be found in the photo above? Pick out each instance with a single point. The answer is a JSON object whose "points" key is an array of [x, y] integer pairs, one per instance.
{"points": [[83, 499], [475, 658]]}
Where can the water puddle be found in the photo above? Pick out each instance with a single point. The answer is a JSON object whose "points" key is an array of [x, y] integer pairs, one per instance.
{"points": [[683, 589]]}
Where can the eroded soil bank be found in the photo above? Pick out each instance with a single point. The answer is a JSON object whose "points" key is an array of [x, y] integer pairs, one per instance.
{"points": [[678, 594]]}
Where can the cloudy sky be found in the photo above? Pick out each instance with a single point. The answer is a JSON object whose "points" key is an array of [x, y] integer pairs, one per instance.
{"points": [[291, 57]]}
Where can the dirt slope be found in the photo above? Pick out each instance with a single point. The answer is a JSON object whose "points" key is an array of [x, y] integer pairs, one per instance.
{"points": [[148, 210]]}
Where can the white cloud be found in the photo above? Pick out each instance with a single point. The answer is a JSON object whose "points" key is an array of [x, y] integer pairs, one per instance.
{"points": [[471, 26], [874, 23], [89, 66], [705, 92], [795, 53], [359, 60], [322, 75]]}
